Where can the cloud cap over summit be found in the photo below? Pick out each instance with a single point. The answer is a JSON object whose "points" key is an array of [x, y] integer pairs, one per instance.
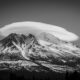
{"points": [[37, 28]]}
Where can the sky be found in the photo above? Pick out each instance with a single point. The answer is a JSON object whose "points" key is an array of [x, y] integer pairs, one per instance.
{"points": [[63, 13]]}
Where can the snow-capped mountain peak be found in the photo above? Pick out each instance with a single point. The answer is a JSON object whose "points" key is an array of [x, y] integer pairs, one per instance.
{"points": [[28, 47]]}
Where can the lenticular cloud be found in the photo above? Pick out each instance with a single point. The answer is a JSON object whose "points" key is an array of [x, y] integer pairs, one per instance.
{"points": [[36, 28]]}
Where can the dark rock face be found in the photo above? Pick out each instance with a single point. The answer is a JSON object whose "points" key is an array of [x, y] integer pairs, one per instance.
{"points": [[7, 43], [17, 38]]}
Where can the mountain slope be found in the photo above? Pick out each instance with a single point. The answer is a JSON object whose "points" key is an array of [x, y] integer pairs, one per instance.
{"points": [[18, 50]]}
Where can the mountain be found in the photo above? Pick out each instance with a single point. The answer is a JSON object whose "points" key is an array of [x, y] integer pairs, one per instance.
{"points": [[14, 43], [19, 51]]}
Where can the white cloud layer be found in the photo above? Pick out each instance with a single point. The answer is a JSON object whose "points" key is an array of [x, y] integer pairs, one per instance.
{"points": [[37, 28]]}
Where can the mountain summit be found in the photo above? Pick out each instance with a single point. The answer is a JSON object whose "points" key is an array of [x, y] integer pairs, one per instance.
{"points": [[17, 43], [17, 38], [30, 53]]}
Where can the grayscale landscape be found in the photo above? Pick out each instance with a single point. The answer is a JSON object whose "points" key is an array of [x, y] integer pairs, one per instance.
{"points": [[39, 40]]}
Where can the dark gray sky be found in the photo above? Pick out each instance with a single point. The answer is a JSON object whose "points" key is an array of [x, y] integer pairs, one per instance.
{"points": [[64, 13]]}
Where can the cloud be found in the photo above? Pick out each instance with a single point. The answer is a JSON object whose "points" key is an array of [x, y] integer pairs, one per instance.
{"points": [[37, 28]]}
